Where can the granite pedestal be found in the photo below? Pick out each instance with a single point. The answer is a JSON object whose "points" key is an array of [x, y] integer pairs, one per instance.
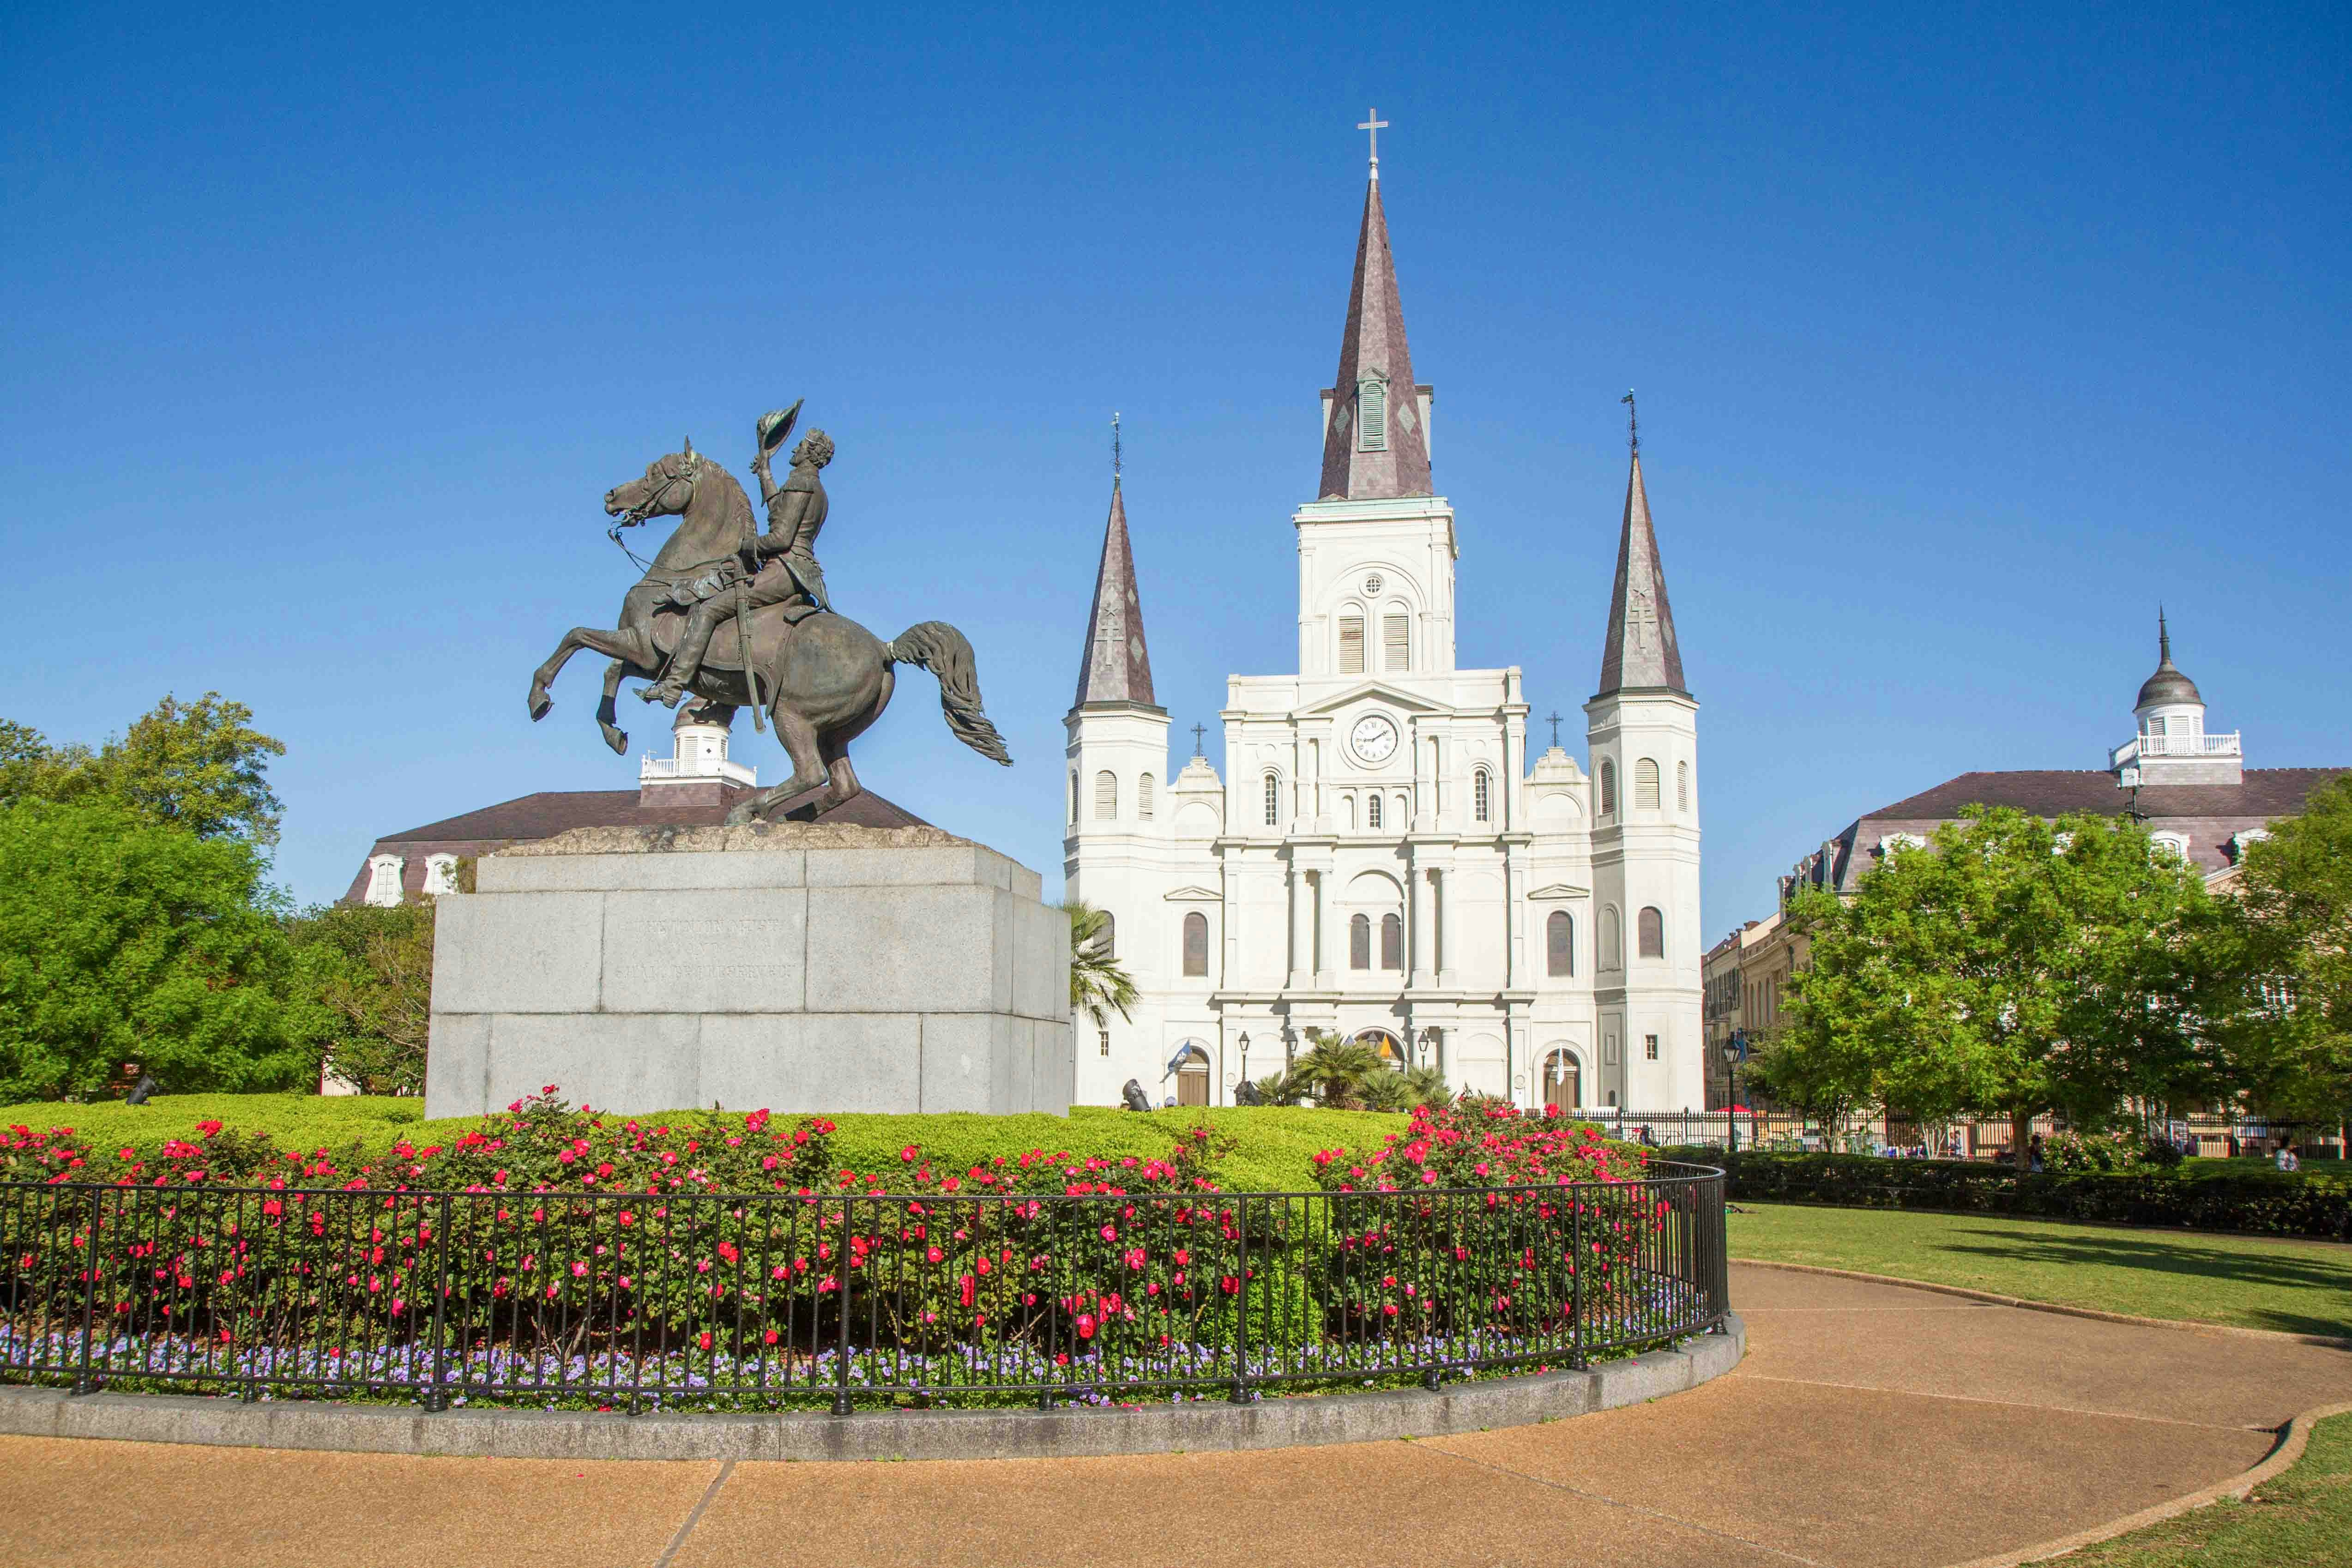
{"points": [[798, 967]]}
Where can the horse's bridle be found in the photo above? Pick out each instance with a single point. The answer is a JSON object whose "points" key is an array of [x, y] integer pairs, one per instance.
{"points": [[651, 506]]}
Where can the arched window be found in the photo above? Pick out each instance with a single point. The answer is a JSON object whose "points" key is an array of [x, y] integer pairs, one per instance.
{"points": [[1351, 645], [1682, 786], [1371, 414], [1347, 813], [1645, 785], [1651, 928], [1274, 800], [1074, 797], [1372, 811], [1560, 943], [1392, 942], [1478, 804], [440, 873], [384, 880], [1608, 787], [1360, 943], [1106, 936], [1143, 797], [1196, 945], [1612, 939], [1396, 642], [1105, 796]]}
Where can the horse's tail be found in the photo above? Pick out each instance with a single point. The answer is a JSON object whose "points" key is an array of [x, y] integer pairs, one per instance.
{"points": [[940, 648]]}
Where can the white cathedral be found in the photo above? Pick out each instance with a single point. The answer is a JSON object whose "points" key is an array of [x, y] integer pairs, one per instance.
{"points": [[1383, 861]]}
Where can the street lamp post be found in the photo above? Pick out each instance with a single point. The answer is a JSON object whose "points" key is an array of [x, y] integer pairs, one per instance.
{"points": [[1245, 1077], [1733, 1049]]}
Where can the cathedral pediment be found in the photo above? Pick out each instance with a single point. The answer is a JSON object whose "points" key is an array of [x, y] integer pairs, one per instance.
{"points": [[1373, 688], [1559, 891], [1194, 896]]}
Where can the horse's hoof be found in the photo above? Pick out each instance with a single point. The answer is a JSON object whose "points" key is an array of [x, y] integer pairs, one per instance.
{"points": [[742, 815], [540, 704], [617, 739]]}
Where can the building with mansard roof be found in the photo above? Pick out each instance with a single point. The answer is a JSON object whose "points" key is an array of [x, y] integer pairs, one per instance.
{"points": [[1381, 860]]}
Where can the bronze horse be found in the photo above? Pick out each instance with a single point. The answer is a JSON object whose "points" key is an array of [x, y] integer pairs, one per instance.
{"points": [[824, 681]]}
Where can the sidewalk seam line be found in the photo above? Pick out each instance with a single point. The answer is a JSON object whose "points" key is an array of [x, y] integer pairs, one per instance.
{"points": [[1613, 1502], [677, 1541], [2010, 1403]]}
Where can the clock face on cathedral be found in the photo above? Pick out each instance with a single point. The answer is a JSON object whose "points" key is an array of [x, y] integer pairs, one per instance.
{"points": [[1374, 738]]}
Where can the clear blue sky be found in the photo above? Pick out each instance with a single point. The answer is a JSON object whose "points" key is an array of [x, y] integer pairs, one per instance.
{"points": [[1961, 339]]}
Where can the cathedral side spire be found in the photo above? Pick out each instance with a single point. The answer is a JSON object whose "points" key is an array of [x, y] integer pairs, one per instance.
{"points": [[1640, 652], [1375, 437], [1117, 667]]}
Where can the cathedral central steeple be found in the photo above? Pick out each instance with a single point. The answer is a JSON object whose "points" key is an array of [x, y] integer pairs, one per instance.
{"points": [[1640, 652], [1376, 430], [1117, 667]]}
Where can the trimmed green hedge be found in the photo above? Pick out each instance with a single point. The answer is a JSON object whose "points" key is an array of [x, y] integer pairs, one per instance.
{"points": [[2260, 1204]]}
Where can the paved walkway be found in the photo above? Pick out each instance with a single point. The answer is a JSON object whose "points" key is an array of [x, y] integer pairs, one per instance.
{"points": [[1870, 1426]]}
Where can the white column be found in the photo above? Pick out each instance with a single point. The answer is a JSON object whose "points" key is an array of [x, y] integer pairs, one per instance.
{"points": [[1302, 929], [1515, 918], [1335, 946], [1423, 929]]}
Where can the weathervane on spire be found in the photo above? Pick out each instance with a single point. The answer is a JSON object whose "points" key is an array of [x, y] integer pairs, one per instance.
{"points": [[1115, 452], [1375, 125], [1633, 422]]}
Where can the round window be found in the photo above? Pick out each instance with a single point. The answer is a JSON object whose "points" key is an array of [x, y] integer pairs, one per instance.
{"points": [[1373, 584]]}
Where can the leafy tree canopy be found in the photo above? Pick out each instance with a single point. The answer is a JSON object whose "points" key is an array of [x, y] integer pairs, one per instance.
{"points": [[125, 941], [200, 767], [2013, 966], [2290, 937], [369, 972]]}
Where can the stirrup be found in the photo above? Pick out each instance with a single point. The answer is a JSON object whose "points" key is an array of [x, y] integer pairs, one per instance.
{"points": [[662, 693]]}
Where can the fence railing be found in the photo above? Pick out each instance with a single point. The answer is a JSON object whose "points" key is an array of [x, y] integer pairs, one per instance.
{"points": [[771, 1300], [1965, 1138]]}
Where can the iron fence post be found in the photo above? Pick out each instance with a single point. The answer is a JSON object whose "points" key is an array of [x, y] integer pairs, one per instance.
{"points": [[1576, 1280], [82, 1383], [841, 1357], [1240, 1394], [436, 1397]]}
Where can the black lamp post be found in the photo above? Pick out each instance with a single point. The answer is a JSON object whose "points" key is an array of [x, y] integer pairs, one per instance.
{"points": [[1733, 1049], [1245, 1077]]}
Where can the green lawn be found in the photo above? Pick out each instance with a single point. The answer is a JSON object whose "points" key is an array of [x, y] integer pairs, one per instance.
{"points": [[2255, 1282], [1271, 1151], [2302, 1519]]}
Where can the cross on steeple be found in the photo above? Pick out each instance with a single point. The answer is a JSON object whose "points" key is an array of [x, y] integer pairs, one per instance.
{"points": [[1553, 718], [1633, 422], [1115, 452], [1199, 730], [1375, 125]]}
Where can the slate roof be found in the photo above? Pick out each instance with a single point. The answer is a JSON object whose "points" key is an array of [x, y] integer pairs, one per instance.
{"points": [[1117, 666], [2266, 793], [1373, 345], [1641, 651]]}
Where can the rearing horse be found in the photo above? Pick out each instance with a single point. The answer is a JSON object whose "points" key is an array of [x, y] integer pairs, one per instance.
{"points": [[824, 681]]}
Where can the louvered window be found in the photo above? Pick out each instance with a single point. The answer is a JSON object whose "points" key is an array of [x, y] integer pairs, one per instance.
{"points": [[1392, 942], [1651, 929], [1645, 785], [1351, 645], [1105, 796], [1196, 945], [1360, 943], [1682, 786], [1074, 797], [1396, 642], [1608, 789], [1143, 797], [1273, 800], [1372, 415], [1560, 943]]}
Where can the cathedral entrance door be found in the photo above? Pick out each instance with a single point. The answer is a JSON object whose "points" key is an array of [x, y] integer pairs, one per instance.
{"points": [[1385, 1045], [1563, 1082], [1192, 1078]]}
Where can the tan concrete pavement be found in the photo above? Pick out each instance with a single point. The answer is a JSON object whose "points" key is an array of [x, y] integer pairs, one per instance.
{"points": [[1870, 1426]]}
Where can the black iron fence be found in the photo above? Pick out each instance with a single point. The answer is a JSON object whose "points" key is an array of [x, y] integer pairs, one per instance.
{"points": [[1964, 1138], [764, 1302]]}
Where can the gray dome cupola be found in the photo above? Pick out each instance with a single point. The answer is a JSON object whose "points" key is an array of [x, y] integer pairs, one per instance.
{"points": [[2168, 687], [2170, 745]]}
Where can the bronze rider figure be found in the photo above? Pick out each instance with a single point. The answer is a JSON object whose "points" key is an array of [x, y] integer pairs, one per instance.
{"points": [[777, 567]]}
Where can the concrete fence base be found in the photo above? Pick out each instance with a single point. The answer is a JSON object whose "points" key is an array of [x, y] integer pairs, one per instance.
{"points": [[1196, 1426]]}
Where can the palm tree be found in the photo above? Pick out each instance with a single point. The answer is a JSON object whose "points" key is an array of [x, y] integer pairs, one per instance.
{"points": [[1097, 984], [1336, 1071]]}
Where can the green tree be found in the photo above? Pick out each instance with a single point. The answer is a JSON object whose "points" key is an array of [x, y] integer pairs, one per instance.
{"points": [[2014, 966], [2289, 937], [368, 972], [1098, 983], [200, 767], [122, 941]]}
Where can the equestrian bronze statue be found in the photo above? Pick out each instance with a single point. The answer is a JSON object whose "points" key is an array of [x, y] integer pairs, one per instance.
{"points": [[735, 617]]}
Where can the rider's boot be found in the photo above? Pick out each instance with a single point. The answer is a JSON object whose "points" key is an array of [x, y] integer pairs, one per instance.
{"points": [[685, 663]]}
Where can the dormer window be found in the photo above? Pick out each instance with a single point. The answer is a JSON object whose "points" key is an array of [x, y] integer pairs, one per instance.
{"points": [[2155, 725], [1371, 414]]}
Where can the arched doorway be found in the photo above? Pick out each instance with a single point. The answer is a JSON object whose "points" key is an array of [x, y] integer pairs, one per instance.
{"points": [[1563, 1081], [1385, 1045], [1192, 1075]]}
